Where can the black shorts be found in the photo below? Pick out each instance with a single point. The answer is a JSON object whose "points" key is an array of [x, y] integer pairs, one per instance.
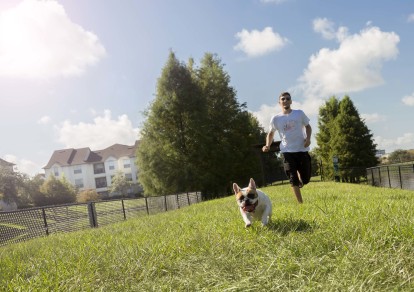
{"points": [[294, 162]]}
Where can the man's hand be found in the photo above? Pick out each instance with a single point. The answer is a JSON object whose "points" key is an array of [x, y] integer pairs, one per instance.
{"points": [[307, 142], [265, 148]]}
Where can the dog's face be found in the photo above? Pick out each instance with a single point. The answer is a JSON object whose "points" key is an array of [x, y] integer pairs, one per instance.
{"points": [[247, 199]]}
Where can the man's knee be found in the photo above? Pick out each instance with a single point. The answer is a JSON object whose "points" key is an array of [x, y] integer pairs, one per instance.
{"points": [[293, 178]]}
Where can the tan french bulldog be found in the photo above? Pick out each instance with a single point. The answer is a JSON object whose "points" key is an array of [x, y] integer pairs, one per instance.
{"points": [[253, 204]]}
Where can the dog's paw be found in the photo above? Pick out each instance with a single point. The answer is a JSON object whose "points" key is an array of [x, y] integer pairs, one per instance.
{"points": [[248, 225]]}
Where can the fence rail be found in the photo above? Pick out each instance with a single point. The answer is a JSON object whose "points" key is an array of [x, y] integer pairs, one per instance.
{"points": [[392, 176], [21, 225]]}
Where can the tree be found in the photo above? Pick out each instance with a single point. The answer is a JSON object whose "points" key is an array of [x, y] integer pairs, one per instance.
{"points": [[230, 131], [342, 133], [30, 190], [10, 182], [399, 156], [326, 123], [172, 135], [55, 192], [196, 135], [120, 185]]}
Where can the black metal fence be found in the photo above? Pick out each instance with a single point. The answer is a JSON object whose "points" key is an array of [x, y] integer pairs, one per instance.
{"points": [[392, 176], [21, 225]]}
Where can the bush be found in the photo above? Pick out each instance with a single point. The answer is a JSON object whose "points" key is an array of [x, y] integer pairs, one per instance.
{"points": [[87, 196]]}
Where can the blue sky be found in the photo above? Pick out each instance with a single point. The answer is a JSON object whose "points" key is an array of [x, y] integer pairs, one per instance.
{"points": [[79, 73]]}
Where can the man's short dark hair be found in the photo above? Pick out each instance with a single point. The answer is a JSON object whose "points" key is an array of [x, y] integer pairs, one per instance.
{"points": [[284, 93]]}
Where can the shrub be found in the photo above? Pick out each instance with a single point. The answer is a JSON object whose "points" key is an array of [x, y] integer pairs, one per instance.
{"points": [[87, 196]]}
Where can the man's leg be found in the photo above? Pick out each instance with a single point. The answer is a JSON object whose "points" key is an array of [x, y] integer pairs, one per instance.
{"points": [[296, 191], [291, 169], [305, 168]]}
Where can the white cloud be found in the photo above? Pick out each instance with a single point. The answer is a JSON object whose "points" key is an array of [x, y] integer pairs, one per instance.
{"points": [[44, 120], [354, 66], [38, 40], [373, 118], [411, 18], [405, 142], [103, 132], [265, 113], [327, 29], [408, 100], [257, 43]]}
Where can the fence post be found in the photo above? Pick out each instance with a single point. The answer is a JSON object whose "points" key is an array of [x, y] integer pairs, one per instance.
{"points": [[178, 202], [389, 178], [379, 176], [188, 197], [165, 203], [146, 205], [93, 220], [45, 221], [399, 174], [123, 208], [372, 174]]}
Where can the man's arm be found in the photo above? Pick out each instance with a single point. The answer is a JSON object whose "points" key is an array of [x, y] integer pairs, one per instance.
{"points": [[269, 140], [308, 130]]}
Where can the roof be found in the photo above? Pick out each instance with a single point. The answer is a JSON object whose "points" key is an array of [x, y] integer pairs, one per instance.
{"points": [[71, 156], [5, 163]]}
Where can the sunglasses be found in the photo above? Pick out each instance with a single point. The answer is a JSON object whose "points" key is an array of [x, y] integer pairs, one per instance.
{"points": [[286, 98]]}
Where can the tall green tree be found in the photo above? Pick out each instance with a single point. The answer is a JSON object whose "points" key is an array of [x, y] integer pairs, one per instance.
{"points": [[230, 131], [343, 134], [196, 135], [326, 123], [172, 136]]}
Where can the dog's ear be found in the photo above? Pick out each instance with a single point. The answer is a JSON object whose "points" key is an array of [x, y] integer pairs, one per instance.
{"points": [[236, 188], [252, 184]]}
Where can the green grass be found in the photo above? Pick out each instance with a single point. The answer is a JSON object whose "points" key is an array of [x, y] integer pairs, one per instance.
{"points": [[343, 238]]}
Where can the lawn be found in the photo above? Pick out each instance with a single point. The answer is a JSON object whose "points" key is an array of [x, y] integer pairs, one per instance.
{"points": [[344, 237]]}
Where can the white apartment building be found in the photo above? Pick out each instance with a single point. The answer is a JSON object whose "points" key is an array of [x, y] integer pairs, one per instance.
{"points": [[87, 169]]}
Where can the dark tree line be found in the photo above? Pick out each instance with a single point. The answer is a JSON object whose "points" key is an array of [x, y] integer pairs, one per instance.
{"points": [[17, 188], [21, 191], [400, 156]]}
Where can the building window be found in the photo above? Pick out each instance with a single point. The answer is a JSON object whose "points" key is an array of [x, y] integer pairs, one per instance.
{"points": [[111, 165], [100, 182], [128, 176], [127, 163], [98, 168], [56, 171], [77, 169], [79, 182]]}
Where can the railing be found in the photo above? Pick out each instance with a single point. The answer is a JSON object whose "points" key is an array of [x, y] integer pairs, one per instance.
{"points": [[392, 176], [21, 225]]}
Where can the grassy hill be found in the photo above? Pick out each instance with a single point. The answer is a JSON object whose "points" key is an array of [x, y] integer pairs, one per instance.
{"points": [[344, 237]]}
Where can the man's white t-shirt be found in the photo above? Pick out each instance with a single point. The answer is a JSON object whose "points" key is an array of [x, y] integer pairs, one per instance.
{"points": [[291, 128]]}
